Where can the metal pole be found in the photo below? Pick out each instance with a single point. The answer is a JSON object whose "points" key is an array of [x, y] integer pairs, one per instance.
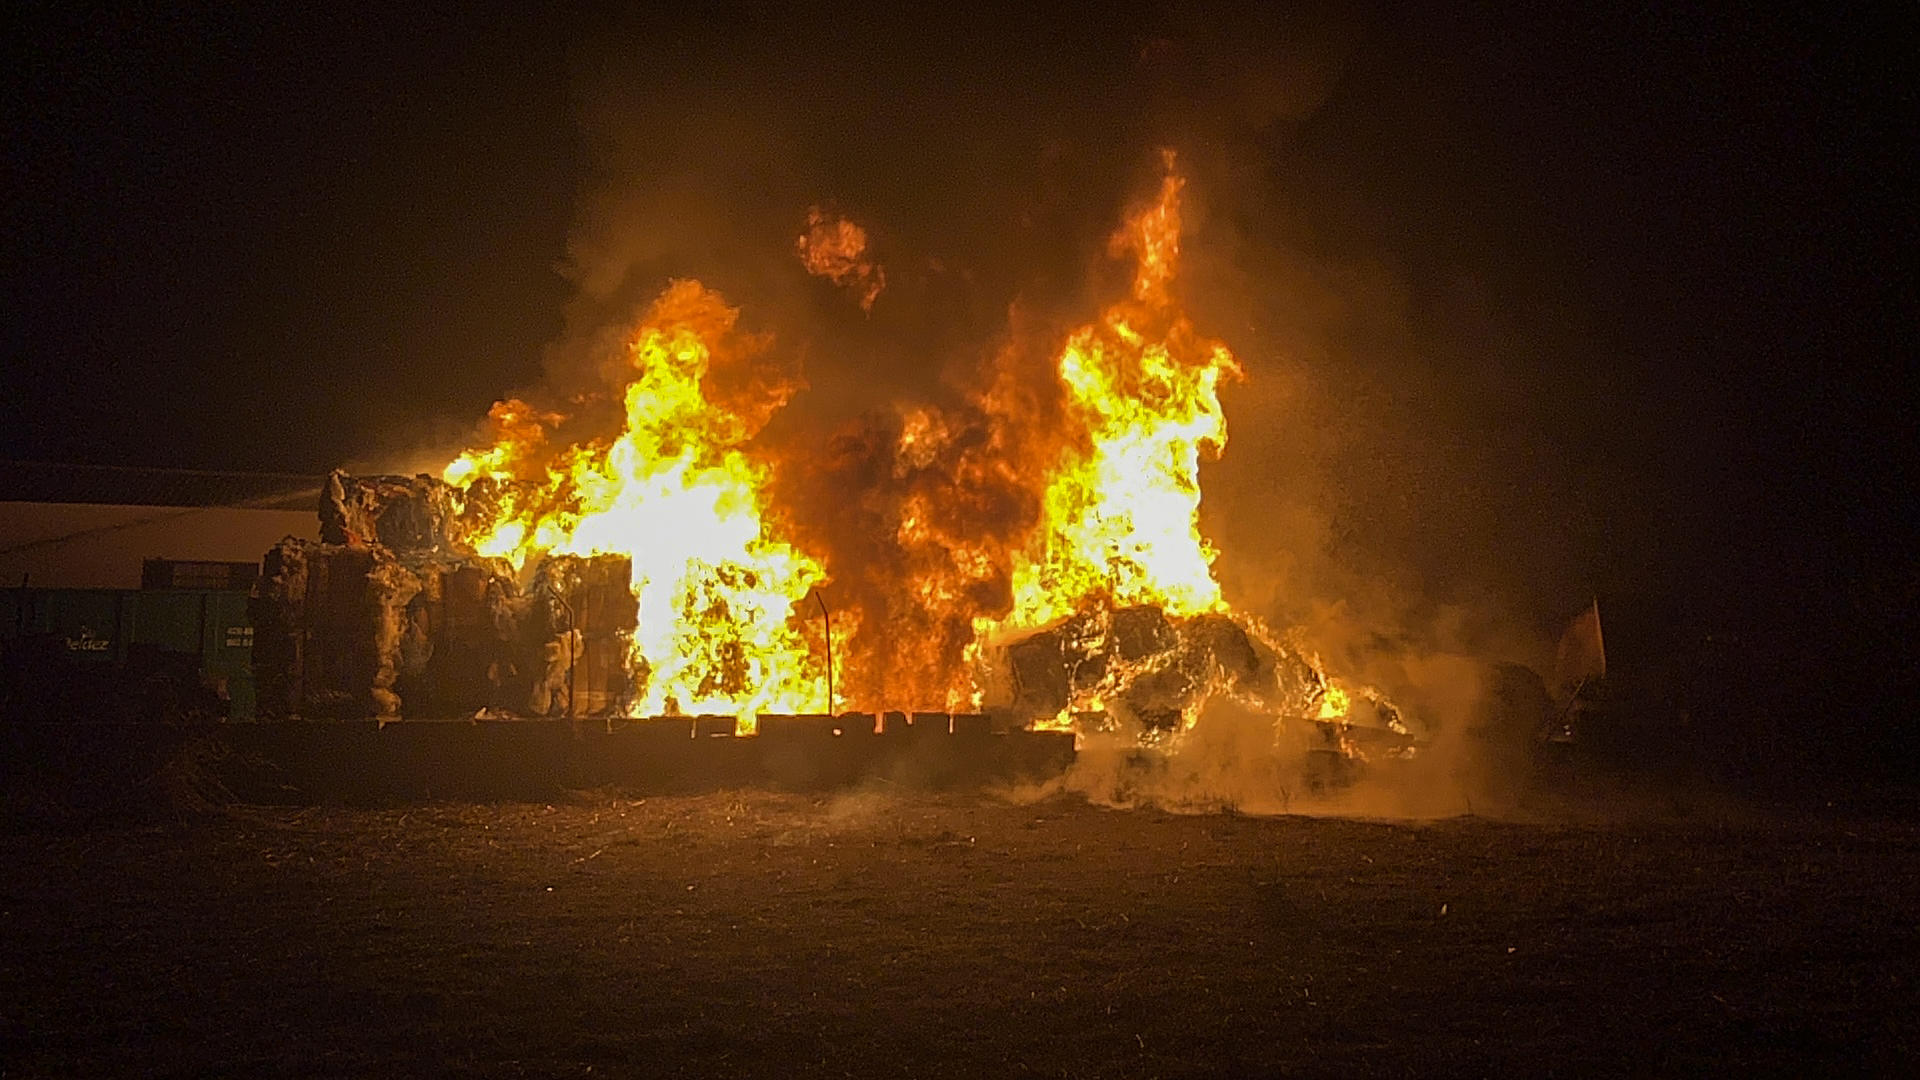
{"points": [[827, 620], [568, 608], [1560, 722]]}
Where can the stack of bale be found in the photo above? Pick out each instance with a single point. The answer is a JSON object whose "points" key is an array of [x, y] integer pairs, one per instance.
{"points": [[393, 612]]}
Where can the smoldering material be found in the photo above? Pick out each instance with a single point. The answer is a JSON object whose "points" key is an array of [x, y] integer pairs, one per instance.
{"points": [[392, 613]]}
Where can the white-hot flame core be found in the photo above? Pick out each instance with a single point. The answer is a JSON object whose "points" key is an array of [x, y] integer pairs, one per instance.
{"points": [[675, 493]]}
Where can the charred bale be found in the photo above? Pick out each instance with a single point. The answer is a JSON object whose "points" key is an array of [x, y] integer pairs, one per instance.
{"points": [[335, 648], [587, 613], [461, 642], [448, 643], [1225, 643], [1142, 631], [457, 654], [391, 587], [1158, 699], [602, 683], [594, 592], [522, 623], [1041, 680], [339, 660], [410, 514]]}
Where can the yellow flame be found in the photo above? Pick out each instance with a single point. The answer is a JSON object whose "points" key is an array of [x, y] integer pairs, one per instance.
{"points": [[1121, 513], [1335, 704], [676, 493]]}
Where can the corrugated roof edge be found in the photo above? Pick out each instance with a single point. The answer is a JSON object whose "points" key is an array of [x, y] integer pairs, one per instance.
{"points": [[135, 485]]}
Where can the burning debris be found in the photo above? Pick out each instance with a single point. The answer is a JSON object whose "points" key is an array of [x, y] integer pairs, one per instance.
{"points": [[1135, 665], [836, 249]]}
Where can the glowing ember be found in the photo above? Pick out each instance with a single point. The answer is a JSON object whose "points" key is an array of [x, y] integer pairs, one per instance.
{"points": [[1335, 704]]}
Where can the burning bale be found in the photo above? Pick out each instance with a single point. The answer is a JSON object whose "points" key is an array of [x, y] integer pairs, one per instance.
{"points": [[1138, 666], [885, 569], [393, 612]]}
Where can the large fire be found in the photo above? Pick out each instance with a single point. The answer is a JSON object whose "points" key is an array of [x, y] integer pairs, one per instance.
{"points": [[677, 493], [1062, 497]]}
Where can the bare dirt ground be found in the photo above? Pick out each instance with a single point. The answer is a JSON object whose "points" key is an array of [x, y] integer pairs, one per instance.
{"points": [[887, 934]]}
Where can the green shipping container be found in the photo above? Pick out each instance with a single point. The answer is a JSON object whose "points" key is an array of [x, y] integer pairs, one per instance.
{"points": [[86, 621], [97, 625], [227, 648]]}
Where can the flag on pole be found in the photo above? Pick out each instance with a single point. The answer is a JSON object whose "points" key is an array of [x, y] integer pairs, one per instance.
{"points": [[1582, 656]]}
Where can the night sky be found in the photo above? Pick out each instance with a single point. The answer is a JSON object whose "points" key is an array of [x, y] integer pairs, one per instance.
{"points": [[1550, 304]]}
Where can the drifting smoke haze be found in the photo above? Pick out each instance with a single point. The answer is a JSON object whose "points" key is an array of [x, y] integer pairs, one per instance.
{"points": [[908, 252], [1534, 304]]}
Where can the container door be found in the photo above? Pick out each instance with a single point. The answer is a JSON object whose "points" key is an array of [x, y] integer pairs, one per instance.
{"points": [[228, 648]]}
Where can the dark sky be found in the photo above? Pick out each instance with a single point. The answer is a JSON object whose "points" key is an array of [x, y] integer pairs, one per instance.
{"points": [[1631, 286]]}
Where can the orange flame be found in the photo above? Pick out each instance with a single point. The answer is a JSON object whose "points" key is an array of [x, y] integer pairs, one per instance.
{"points": [[1121, 520], [835, 248]]}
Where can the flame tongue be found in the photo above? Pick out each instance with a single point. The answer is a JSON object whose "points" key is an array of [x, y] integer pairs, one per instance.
{"points": [[1121, 521], [677, 493]]}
